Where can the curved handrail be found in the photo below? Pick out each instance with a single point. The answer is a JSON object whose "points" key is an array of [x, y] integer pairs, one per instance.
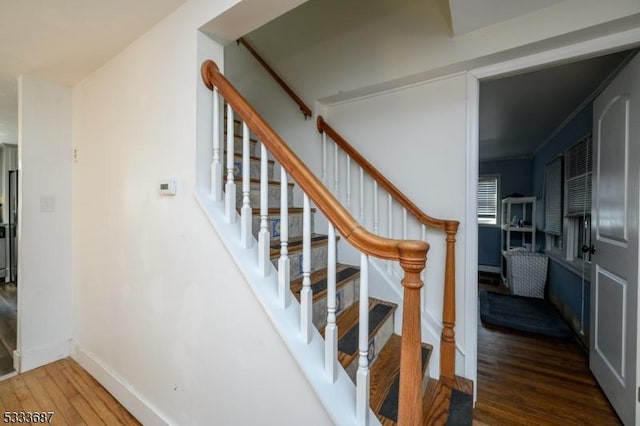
{"points": [[422, 217], [303, 107]]}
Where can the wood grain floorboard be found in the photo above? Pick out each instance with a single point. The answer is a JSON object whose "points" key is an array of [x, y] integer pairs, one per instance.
{"points": [[68, 391], [529, 380]]}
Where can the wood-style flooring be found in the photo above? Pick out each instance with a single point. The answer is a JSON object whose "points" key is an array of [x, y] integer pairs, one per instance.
{"points": [[68, 391], [529, 380]]}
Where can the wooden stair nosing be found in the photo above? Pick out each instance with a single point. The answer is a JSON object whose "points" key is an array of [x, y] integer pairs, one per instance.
{"points": [[320, 275], [238, 181], [251, 157], [294, 245], [237, 136], [275, 211], [348, 319]]}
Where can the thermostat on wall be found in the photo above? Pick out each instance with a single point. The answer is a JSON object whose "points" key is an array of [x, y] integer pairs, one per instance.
{"points": [[168, 187]]}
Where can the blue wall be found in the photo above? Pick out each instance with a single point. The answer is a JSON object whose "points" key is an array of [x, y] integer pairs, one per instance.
{"points": [[563, 283], [515, 177]]}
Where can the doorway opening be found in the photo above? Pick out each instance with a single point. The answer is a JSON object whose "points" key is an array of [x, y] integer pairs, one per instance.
{"points": [[8, 256], [534, 208]]}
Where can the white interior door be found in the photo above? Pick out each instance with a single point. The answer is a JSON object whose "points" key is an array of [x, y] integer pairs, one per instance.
{"points": [[614, 267]]}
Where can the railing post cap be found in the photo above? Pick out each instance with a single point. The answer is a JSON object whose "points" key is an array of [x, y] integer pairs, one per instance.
{"points": [[205, 71]]}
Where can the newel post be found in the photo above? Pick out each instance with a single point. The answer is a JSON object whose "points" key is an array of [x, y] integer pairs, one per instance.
{"points": [[448, 338], [413, 257]]}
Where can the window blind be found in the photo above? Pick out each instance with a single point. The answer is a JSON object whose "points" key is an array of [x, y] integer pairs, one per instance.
{"points": [[488, 199], [578, 175], [553, 197]]}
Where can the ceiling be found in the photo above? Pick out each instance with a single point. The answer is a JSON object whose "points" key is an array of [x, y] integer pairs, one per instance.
{"points": [[520, 113], [64, 40]]}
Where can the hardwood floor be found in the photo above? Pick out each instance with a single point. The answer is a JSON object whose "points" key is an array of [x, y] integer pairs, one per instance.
{"points": [[529, 380], [68, 391]]}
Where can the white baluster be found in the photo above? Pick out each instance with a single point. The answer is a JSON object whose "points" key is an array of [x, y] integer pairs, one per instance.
{"points": [[389, 227], [361, 196], [331, 330], [362, 376], [245, 212], [216, 165], [404, 223], [283, 261], [324, 158], [335, 170], [306, 295], [375, 207], [230, 188], [348, 182], [264, 237]]}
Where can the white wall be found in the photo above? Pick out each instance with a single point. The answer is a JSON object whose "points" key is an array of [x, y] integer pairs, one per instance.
{"points": [[158, 303], [348, 59], [44, 235]]}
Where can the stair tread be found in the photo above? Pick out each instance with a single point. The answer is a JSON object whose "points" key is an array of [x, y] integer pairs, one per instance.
{"points": [[347, 323], [236, 136], [385, 378], [238, 179], [294, 245], [344, 274], [275, 211], [251, 157], [439, 394]]}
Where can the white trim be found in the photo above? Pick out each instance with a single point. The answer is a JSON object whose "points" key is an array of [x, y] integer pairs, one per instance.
{"points": [[471, 234], [126, 395], [38, 357], [597, 46], [326, 102]]}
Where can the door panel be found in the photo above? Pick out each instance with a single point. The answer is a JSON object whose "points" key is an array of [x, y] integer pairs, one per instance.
{"points": [[614, 217], [613, 168], [610, 320]]}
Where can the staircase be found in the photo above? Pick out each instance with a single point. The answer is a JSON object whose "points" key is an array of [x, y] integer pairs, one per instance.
{"points": [[360, 336]]}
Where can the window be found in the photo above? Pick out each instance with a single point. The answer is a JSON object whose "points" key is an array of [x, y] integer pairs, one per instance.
{"points": [[567, 203], [578, 209], [488, 200], [553, 204]]}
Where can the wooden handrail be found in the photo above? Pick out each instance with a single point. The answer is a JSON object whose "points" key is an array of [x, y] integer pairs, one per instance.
{"points": [[303, 107], [324, 127], [411, 254], [447, 341]]}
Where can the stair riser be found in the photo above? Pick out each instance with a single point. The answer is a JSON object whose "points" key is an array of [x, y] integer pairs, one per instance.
{"points": [[237, 146], [273, 224], [318, 261], [254, 169], [375, 346], [346, 296], [254, 195]]}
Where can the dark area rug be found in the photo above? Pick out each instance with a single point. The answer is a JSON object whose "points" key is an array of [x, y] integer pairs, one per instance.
{"points": [[528, 314], [460, 409], [489, 278]]}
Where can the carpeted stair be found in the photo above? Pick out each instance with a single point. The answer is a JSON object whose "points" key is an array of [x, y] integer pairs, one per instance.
{"points": [[384, 345]]}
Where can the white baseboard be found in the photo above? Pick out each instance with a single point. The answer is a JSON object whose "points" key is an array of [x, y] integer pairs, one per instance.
{"points": [[28, 360], [130, 399], [489, 268]]}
